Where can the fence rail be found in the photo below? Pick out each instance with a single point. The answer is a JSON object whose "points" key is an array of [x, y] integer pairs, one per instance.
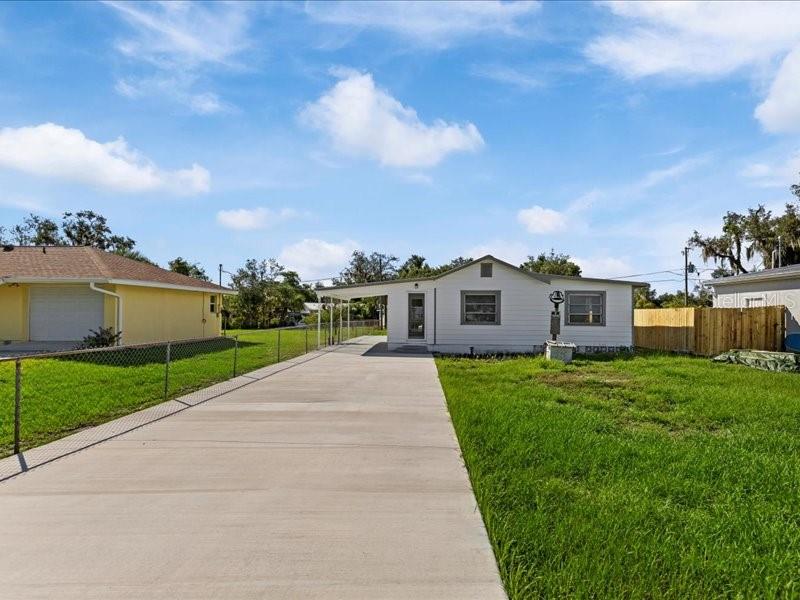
{"points": [[44, 397], [709, 331]]}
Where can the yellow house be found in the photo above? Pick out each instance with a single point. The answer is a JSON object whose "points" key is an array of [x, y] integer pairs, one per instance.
{"points": [[60, 293]]}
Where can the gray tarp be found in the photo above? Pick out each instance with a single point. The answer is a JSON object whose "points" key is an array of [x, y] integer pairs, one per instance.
{"points": [[761, 359]]}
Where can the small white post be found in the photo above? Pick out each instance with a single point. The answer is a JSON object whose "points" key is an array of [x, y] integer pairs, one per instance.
{"points": [[319, 323], [332, 305]]}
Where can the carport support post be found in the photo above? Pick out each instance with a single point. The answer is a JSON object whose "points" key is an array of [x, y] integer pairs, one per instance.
{"points": [[330, 337], [17, 401], [319, 325], [166, 370], [348, 319], [341, 320]]}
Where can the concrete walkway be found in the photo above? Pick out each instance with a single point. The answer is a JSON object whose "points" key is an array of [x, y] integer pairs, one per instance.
{"points": [[339, 477]]}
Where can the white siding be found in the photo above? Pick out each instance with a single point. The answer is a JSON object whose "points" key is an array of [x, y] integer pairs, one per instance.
{"points": [[524, 313], [763, 293]]}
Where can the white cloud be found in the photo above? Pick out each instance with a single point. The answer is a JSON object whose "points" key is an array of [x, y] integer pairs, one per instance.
{"points": [[778, 174], [538, 219], [515, 253], [710, 40], [249, 219], [435, 24], [175, 87], [548, 221], [50, 150], [507, 75], [656, 177], [780, 111], [314, 259], [700, 39], [180, 40], [365, 120], [185, 34], [603, 266]]}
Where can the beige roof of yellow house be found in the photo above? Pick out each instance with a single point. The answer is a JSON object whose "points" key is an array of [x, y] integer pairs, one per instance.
{"points": [[31, 264]]}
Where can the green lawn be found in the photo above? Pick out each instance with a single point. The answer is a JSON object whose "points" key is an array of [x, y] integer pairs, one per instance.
{"points": [[61, 396], [651, 476]]}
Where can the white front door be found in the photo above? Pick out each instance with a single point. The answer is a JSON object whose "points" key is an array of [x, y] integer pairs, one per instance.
{"points": [[64, 312]]}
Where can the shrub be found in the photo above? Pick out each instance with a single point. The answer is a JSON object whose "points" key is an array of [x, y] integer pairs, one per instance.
{"points": [[101, 338]]}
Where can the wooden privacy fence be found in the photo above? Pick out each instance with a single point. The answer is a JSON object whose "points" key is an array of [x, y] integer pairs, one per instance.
{"points": [[709, 331]]}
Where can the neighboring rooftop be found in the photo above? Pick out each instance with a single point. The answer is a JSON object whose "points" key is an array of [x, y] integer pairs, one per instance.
{"points": [[82, 263], [788, 272]]}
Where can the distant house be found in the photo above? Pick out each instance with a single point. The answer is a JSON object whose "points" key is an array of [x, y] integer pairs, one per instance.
{"points": [[489, 305], [771, 287], [60, 293]]}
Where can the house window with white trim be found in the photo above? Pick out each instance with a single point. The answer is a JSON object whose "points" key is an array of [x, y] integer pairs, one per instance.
{"points": [[480, 308], [212, 304], [585, 308], [754, 302]]}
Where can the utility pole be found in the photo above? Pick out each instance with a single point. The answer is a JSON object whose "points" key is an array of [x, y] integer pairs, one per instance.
{"points": [[686, 276]]}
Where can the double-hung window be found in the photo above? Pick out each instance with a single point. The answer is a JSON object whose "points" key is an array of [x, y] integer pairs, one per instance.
{"points": [[480, 308], [585, 308], [212, 304]]}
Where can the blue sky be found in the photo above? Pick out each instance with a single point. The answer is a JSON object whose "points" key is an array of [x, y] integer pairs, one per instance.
{"points": [[303, 131]]}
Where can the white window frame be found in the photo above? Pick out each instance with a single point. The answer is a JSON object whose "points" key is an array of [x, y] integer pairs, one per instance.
{"points": [[497, 302], [568, 307], [212, 304]]}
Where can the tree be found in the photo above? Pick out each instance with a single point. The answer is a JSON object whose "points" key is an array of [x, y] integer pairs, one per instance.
{"points": [[37, 231], [84, 228], [365, 269], [184, 267], [251, 281], [414, 267], [552, 264], [646, 298], [754, 235], [134, 255], [453, 264], [88, 228]]}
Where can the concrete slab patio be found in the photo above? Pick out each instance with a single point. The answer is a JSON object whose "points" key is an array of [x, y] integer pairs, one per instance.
{"points": [[339, 477]]}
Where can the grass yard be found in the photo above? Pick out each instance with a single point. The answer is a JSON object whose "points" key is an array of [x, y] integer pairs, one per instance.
{"points": [[63, 395], [650, 476]]}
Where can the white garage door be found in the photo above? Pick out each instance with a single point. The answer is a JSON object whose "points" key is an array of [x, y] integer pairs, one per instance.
{"points": [[64, 313]]}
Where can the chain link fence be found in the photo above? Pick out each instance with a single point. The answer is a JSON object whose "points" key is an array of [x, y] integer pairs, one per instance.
{"points": [[44, 397]]}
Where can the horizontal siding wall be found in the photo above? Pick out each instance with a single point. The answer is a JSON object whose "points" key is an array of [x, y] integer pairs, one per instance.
{"points": [[524, 313], [767, 293]]}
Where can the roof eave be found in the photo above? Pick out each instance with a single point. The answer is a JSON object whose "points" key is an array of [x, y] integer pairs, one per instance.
{"points": [[112, 281]]}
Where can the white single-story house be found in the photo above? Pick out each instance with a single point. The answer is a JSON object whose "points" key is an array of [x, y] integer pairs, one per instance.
{"points": [[771, 287], [489, 305]]}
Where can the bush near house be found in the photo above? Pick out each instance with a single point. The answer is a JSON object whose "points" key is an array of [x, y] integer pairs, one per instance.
{"points": [[651, 476]]}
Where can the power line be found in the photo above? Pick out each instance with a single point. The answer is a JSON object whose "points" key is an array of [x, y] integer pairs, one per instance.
{"points": [[672, 271]]}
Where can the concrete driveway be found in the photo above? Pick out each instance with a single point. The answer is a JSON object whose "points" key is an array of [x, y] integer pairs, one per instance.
{"points": [[337, 478]]}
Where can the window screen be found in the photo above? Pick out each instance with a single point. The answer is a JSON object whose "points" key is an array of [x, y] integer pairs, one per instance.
{"points": [[486, 269], [586, 308], [480, 308]]}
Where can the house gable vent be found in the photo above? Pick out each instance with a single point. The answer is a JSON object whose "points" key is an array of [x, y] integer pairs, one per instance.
{"points": [[486, 269]]}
